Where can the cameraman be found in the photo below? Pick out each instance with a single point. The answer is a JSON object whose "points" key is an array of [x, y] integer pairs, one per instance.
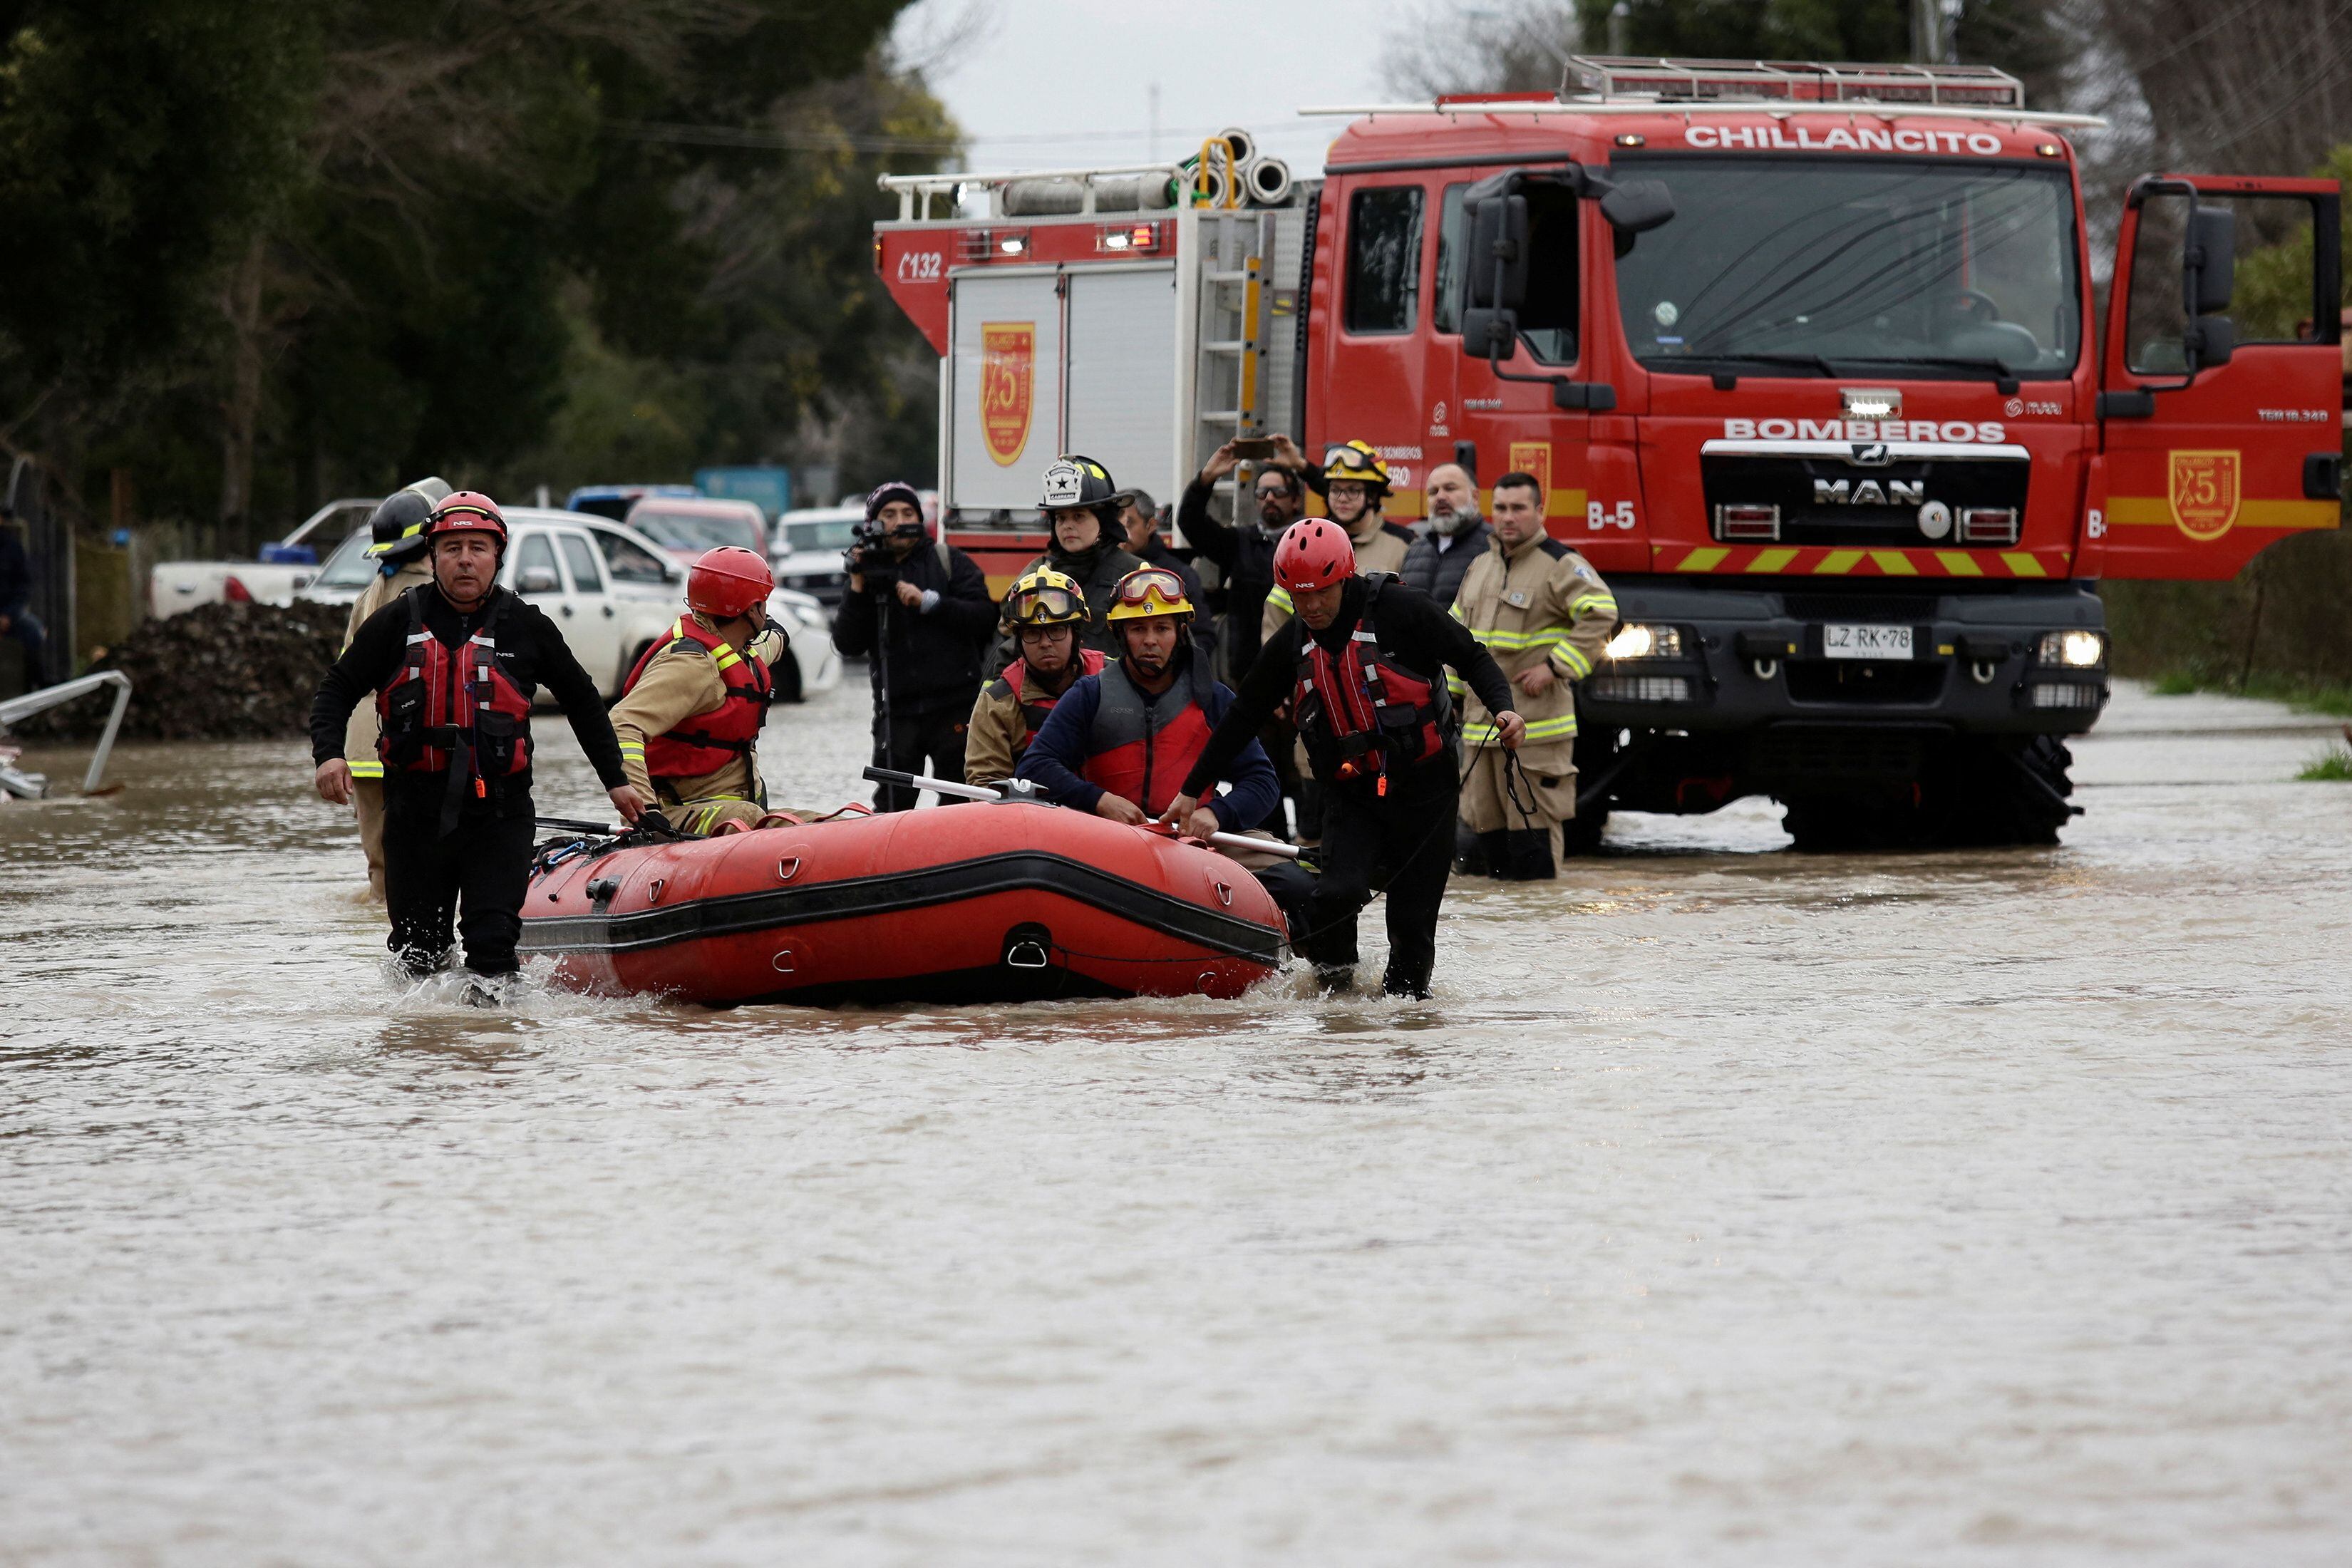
{"points": [[921, 612]]}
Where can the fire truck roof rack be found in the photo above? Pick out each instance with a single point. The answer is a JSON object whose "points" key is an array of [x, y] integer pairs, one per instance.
{"points": [[915, 191], [1616, 77], [1610, 84]]}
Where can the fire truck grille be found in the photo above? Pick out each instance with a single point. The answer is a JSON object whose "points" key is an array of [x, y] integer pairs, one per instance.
{"points": [[1829, 501], [1789, 752]]}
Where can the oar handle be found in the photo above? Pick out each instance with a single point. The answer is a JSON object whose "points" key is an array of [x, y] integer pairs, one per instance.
{"points": [[1010, 789]]}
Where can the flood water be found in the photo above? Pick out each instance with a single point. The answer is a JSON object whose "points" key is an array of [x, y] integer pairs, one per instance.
{"points": [[1726, 1206]]}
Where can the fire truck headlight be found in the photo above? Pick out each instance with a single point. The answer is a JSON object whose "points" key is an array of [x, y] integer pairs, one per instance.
{"points": [[2075, 651], [1639, 640]]}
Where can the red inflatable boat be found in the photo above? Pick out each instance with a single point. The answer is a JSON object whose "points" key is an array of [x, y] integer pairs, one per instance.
{"points": [[961, 903]]}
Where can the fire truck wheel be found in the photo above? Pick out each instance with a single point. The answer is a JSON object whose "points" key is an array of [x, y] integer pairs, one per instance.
{"points": [[2008, 793], [1580, 834]]}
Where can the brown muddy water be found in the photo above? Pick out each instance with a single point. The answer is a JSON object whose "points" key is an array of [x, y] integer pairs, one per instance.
{"points": [[1726, 1206]]}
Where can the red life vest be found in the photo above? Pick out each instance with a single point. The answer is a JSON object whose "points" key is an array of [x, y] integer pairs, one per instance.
{"points": [[1142, 751], [449, 708], [728, 731], [1036, 705], [1362, 712]]}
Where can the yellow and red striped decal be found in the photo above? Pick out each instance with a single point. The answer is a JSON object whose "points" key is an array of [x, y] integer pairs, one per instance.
{"points": [[1814, 561]]}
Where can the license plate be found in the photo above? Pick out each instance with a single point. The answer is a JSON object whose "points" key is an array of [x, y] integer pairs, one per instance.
{"points": [[1866, 642]]}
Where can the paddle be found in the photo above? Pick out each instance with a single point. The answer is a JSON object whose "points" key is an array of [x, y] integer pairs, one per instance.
{"points": [[1024, 790]]}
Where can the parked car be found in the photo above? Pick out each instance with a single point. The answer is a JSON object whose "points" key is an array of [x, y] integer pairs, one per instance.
{"points": [[612, 592], [806, 550], [284, 569], [685, 526], [613, 501]]}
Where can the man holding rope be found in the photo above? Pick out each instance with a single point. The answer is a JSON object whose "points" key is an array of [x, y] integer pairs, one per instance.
{"points": [[1545, 614], [1363, 664]]}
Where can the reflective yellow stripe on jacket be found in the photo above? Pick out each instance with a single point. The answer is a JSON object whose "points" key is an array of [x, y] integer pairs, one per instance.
{"points": [[1560, 728], [368, 770]]}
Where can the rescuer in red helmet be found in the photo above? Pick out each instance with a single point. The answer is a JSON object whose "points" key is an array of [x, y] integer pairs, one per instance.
{"points": [[453, 664], [690, 715], [1363, 665]]}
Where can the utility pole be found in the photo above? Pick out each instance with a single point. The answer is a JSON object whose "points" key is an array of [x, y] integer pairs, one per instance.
{"points": [[1933, 29]]}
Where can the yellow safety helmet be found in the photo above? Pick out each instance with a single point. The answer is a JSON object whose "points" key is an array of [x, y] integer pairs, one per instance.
{"points": [[1150, 591], [1044, 598], [1358, 461]]}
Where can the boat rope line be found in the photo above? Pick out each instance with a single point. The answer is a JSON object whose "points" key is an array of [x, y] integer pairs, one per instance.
{"points": [[738, 914]]}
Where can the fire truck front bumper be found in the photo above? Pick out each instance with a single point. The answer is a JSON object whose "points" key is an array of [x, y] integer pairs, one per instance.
{"points": [[2030, 660]]}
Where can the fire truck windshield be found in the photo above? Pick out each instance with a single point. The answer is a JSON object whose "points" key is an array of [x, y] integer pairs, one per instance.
{"points": [[1838, 266]]}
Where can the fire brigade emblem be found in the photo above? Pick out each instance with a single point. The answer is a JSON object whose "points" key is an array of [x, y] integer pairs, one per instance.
{"points": [[2205, 493], [1008, 377], [1534, 457]]}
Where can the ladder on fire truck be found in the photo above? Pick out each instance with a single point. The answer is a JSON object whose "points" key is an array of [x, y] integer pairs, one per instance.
{"points": [[1232, 362]]}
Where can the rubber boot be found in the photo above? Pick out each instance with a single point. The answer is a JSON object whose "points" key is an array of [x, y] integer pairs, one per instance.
{"points": [[1335, 979], [1494, 848], [1527, 854], [1469, 851]]}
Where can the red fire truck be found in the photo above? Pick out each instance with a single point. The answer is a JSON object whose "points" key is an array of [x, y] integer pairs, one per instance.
{"points": [[1805, 356]]}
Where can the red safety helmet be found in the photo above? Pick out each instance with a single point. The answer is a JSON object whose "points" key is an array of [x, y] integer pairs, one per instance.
{"points": [[467, 512], [1314, 554], [727, 581]]}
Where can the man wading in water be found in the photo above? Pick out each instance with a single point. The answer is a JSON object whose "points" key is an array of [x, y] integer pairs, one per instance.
{"points": [[453, 664]]}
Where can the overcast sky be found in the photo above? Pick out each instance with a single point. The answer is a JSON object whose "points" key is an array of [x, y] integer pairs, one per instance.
{"points": [[1066, 83]]}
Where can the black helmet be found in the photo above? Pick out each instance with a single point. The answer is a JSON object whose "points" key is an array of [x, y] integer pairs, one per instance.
{"points": [[397, 525], [1077, 481]]}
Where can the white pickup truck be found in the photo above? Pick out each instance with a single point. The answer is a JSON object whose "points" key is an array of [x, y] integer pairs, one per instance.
{"points": [[611, 591], [177, 585]]}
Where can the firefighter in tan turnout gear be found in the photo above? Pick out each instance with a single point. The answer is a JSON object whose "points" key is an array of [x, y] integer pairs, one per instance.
{"points": [[397, 542], [1545, 614], [689, 716], [1048, 614], [1354, 482]]}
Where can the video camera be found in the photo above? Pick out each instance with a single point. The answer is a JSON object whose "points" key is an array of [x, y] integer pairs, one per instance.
{"points": [[871, 557]]}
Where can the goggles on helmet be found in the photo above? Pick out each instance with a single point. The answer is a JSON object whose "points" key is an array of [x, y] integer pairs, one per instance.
{"points": [[1043, 604], [1139, 588], [1352, 463], [1148, 591]]}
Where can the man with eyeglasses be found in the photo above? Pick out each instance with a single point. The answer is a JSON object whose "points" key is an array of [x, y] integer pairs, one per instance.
{"points": [[1046, 612], [1120, 743], [1242, 551]]}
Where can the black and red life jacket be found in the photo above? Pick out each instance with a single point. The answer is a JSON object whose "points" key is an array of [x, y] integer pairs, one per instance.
{"points": [[1141, 750], [1363, 713], [728, 731], [454, 709], [1035, 704]]}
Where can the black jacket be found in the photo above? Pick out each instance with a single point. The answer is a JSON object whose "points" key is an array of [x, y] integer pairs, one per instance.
{"points": [[934, 655], [1245, 553], [532, 652], [1438, 573], [1411, 629]]}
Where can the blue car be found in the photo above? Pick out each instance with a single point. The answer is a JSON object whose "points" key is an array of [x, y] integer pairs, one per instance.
{"points": [[615, 500]]}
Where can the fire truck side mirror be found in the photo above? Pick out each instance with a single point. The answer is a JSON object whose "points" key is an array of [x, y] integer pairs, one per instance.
{"points": [[2210, 260], [1490, 334], [1637, 206], [1496, 275], [2210, 341]]}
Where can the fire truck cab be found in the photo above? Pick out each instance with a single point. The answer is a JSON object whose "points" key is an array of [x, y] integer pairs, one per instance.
{"points": [[1807, 360]]}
